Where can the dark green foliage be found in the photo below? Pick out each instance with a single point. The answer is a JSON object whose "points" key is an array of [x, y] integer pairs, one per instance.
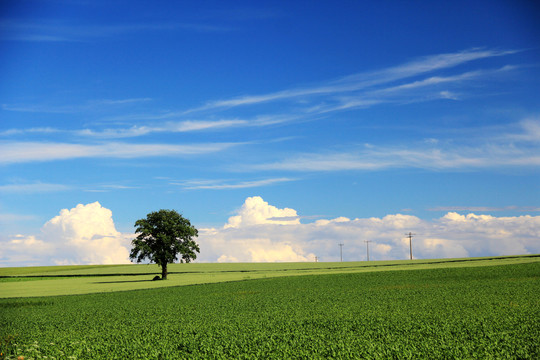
{"points": [[162, 237], [452, 313]]}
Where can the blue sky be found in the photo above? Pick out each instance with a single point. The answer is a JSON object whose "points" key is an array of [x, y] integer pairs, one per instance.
{"points": [[346, 109]]}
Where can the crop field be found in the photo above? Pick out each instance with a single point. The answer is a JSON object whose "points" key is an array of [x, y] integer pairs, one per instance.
{"points": [[71, 280], [427, 311]]}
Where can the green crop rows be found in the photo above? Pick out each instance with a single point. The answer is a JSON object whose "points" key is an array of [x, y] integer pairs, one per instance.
{"points": [[87, 279], [444, 313]]}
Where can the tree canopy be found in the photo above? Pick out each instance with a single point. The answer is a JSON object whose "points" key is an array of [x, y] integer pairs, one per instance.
{"points": [[162, 237]]}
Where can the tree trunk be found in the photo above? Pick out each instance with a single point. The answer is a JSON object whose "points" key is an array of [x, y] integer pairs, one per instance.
{"points": [[164, 271]]}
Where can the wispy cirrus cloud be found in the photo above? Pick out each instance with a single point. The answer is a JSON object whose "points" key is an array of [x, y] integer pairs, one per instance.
{"points": [[182, 126], [51, 30], [424, 79], [21, 152], [424, 65], [531, 130], [513, 149], [37, 130], [90, 105], [344, 98], [400, 84], [108, 188], [169, 127], [380, 158], [32, 188], [228, 185], [373, 80]]}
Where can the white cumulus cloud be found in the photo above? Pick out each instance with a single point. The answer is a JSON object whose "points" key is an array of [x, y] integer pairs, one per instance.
{"points": [[84, 234], [247, 237], [262, 232], [257, 211]]}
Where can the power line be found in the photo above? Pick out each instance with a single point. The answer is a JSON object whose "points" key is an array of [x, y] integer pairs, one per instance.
{"points": [[341, 251], [410, 235], [367, 248]]}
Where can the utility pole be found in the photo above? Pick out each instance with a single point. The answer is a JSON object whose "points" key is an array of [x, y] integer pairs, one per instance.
{"points": [[410, 235], [341, 251], [367, 248]]}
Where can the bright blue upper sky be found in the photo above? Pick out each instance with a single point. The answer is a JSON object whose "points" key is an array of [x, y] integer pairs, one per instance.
{"points": [[349, 108]]}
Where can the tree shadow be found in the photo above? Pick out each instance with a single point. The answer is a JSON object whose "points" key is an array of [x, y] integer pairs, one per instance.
{"points": [[121, 281]]}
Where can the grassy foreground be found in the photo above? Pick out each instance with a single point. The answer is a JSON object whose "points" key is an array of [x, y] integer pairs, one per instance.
{"points": [[451, 312], [71, 280]]}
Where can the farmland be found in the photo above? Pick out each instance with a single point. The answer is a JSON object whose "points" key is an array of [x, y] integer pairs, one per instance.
{"points": [[470, 309], [71, 280]]}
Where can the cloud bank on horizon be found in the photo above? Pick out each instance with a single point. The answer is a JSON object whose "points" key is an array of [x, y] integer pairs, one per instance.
{"points": [[85, 234], [261, 232]]}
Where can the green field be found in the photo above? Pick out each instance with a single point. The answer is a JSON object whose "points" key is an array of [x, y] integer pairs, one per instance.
{"points": [[71, 280], [437, 309]]}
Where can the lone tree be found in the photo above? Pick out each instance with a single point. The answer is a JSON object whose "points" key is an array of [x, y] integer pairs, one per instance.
{"points": [[162, 237]]}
